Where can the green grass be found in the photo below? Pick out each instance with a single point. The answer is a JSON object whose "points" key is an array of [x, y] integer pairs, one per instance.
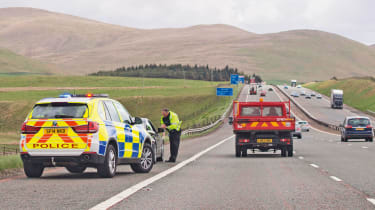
{"points": [[358, 92], [10, 161], [195, 102]]}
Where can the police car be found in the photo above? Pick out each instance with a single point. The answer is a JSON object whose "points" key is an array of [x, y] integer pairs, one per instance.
{"points": [[80, 131]]}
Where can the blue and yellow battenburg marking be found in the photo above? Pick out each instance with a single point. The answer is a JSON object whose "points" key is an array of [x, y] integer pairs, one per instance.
{"points": [[129, 138]]}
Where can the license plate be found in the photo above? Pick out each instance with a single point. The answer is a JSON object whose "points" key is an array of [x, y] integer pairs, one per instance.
{"points": [[264, 140], [359, 129], [55, 131]]}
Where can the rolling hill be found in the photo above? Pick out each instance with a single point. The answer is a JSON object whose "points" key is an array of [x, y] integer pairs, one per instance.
{"points": [[14, 64], [80, 46]]}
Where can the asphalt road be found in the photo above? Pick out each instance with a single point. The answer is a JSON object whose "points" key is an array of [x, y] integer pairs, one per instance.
{"points": [[323, 174]]}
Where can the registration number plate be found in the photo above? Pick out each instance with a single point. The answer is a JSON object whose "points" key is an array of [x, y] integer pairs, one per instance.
{"points": [[264, 140], [55, 131], [360, 129]]}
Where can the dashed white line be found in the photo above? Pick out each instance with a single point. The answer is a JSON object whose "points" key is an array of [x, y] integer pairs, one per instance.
{"points": [[133, 189], [300, 157], [335, 178], [313, 165], [371, 200], [364, 147]]}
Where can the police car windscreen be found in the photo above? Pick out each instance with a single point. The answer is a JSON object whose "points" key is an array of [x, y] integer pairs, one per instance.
{"points": [[359, 122], [59, 110]]}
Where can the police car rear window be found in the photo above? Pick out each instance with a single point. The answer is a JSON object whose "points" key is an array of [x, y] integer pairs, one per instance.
{"points": [[59, 111], [358, 122]]}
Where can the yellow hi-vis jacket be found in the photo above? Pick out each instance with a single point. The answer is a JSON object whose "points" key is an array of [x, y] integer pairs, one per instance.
{"points": [[175, 123]]}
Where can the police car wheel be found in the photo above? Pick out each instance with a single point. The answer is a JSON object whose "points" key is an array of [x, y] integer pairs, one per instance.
{"points": [[33, 170], [108, 168], [76, 169], [146, 162]]}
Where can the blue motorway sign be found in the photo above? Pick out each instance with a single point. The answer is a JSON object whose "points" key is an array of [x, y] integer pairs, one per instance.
{"points": [[234, 79], [224, 91], [242, 79]]}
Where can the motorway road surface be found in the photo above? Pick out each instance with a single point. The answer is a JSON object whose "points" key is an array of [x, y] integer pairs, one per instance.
{"points": [[323, 174]]}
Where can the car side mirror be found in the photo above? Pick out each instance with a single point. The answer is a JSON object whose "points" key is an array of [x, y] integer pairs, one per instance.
{"points": [[160, 130], [137, 121], [230, 120]]}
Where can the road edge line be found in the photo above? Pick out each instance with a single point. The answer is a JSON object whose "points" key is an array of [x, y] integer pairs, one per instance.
{"points": [[112, 201]]}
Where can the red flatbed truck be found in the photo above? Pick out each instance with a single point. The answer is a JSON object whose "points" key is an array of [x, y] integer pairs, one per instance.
{"points": [[262, 126]]}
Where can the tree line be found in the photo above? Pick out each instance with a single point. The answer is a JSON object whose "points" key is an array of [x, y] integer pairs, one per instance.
{"points": [[177, 71]]}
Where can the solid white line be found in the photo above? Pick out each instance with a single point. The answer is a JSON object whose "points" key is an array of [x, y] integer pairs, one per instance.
{"points": [[133, 189], [313, 165], [371, 200], [364, 147], [335, 178], [300, 157]]}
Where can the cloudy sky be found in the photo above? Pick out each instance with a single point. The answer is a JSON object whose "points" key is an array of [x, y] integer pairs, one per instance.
{"points": [[354, 19]]}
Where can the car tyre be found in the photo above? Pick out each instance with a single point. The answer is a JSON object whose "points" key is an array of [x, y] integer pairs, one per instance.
{"points": [[108, 168], [147, 162], [33, 170], [76, 169], [161, 158]]}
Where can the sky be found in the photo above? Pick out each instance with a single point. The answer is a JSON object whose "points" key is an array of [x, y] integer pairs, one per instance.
{"points": [[354, 19]]}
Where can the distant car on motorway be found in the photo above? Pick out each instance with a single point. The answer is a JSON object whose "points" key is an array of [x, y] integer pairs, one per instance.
{"points": [[297, 132], [357, 127], [304, 125], [270, 89], [312, 94], [308, 96], [299, 86], [263, 93], [295, 94], [319, 96], [285, 87], [303, 93]]}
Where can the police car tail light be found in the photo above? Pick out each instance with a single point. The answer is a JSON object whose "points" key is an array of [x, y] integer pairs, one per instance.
{"points": [[27, 129], [91, 127]]}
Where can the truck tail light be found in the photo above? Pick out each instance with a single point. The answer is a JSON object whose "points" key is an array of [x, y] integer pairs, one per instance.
{"points": [[369, 126], [348, 126], [287, 141], [244, 140], [91, 127], [27, 129]]}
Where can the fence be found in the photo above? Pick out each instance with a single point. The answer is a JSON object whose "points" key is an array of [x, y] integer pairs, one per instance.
{"points": [[8, 149]]}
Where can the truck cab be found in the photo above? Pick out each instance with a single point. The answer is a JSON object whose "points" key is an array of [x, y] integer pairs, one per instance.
{"points": [[262, 126]]}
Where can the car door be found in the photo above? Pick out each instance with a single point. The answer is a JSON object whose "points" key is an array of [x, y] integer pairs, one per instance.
{"points": [[152, 131], [133, 142], [115, 127]]}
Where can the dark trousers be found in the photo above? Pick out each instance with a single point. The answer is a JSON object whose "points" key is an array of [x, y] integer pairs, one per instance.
{"points": [[174, 143]]}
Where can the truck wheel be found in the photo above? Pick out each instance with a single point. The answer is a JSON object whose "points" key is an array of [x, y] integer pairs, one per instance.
{"points": [[33, 170], [290, 151], [342, 139], [370, 139], [299, 136], [283, 152], [76, 169], [146, 163], [244, 152], [108, 168], [238, 151]]}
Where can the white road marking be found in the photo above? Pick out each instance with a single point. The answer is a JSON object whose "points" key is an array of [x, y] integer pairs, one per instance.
{"points": [[371, 200], [335, 178], [349, 144], [313, 165], [300, 157], [133, 189], [294, 152], [364, 147]]}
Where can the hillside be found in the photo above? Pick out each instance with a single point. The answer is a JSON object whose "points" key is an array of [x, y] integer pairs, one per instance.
{"points": [[81, 46], [14, 64], [358, 92]]}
